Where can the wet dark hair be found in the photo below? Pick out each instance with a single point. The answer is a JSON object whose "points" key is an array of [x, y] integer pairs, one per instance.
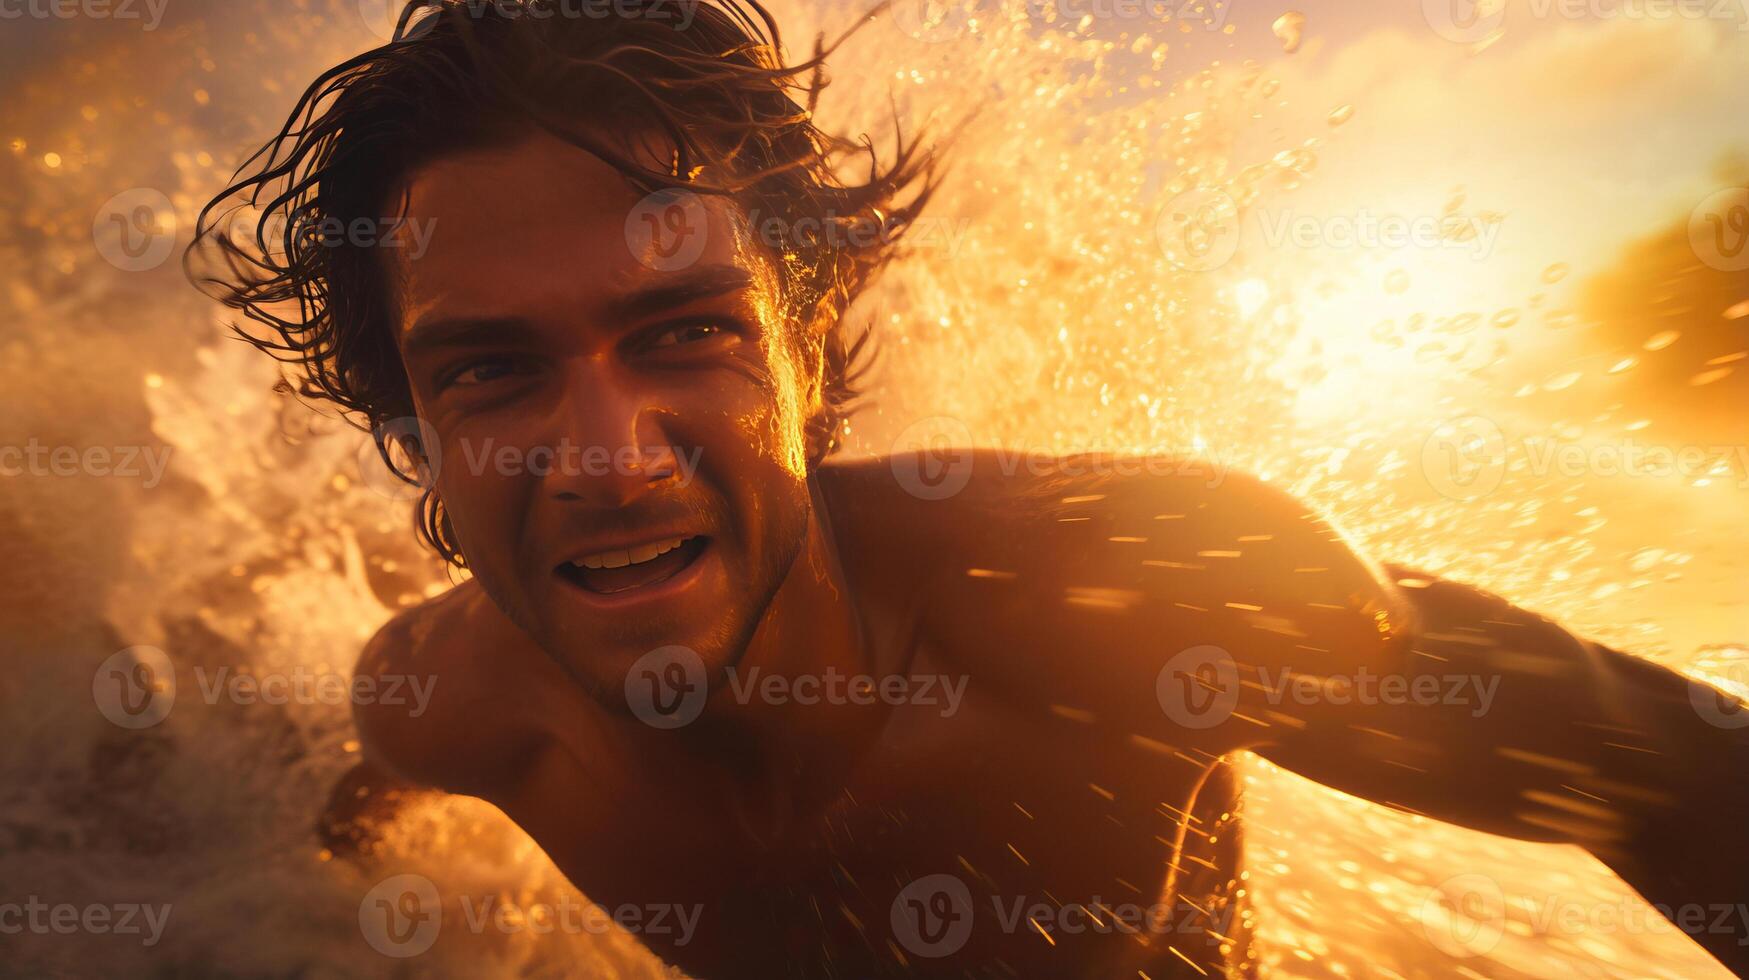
{"points": [[464, 74]]}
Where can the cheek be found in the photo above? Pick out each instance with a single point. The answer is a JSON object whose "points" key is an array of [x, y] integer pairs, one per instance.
{"points": [[757, 414], [748, 432], [481, 504], [747, 448]]}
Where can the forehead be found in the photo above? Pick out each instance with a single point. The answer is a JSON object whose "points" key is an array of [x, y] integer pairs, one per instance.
{"points": [[540, 228]]}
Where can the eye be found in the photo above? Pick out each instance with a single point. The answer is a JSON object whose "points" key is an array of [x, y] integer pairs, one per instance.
{"points": [[479, 371], [686, 333]]}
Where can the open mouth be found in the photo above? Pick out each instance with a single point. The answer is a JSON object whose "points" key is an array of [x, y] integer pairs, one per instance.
{"points": [[614, 572]]}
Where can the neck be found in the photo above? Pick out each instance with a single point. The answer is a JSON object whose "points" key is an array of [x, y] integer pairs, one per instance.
{"points": [[809, 632]]}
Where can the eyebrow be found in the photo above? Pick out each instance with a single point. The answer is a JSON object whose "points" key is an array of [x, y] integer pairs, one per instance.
{"points": [[673, 292], [705, 282]]}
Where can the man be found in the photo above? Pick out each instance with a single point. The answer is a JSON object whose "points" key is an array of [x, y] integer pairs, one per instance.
{"points": [[907, 716]]}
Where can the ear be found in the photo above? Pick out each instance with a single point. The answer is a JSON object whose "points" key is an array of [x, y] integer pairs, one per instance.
{"points": [[408, 446]]}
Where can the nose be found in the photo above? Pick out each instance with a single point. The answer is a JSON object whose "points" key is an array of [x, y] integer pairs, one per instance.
{"points": [[609, 447]]}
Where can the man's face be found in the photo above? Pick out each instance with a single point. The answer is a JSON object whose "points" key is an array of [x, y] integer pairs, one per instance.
{"points": [[620, 427]]}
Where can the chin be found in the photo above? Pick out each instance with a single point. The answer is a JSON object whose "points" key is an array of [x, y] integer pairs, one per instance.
{"points": [[707, 609]]}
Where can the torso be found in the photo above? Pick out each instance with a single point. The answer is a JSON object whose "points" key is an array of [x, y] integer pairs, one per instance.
{"points": [[1025, 798], [1021, 810]]}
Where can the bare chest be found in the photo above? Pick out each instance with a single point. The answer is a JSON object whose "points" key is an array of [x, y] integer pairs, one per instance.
{"points": [[965, 834]]}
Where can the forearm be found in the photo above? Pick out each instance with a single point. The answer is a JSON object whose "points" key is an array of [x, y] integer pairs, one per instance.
{"points": [[1687, 855], [1577, 743]]}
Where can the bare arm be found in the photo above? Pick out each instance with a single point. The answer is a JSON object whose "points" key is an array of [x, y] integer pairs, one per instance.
{"points": [[478, 725], [1210, 616], [1534, 733]]}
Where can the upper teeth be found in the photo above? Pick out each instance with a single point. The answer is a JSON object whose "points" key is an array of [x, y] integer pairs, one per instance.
{"points": [[634, 556]]}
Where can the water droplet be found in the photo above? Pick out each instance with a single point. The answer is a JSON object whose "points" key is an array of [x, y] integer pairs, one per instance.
{"points": [[1289, 27], [1661, 340], [1341, 114], [1555, 273]]}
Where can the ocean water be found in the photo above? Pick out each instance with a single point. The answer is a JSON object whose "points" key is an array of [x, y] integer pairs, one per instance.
{"points": [[1042, 309]]}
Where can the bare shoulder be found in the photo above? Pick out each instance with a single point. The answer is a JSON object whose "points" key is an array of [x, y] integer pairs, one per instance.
{"points": [[1095, 520], [1021, 568], [471, 664]]}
